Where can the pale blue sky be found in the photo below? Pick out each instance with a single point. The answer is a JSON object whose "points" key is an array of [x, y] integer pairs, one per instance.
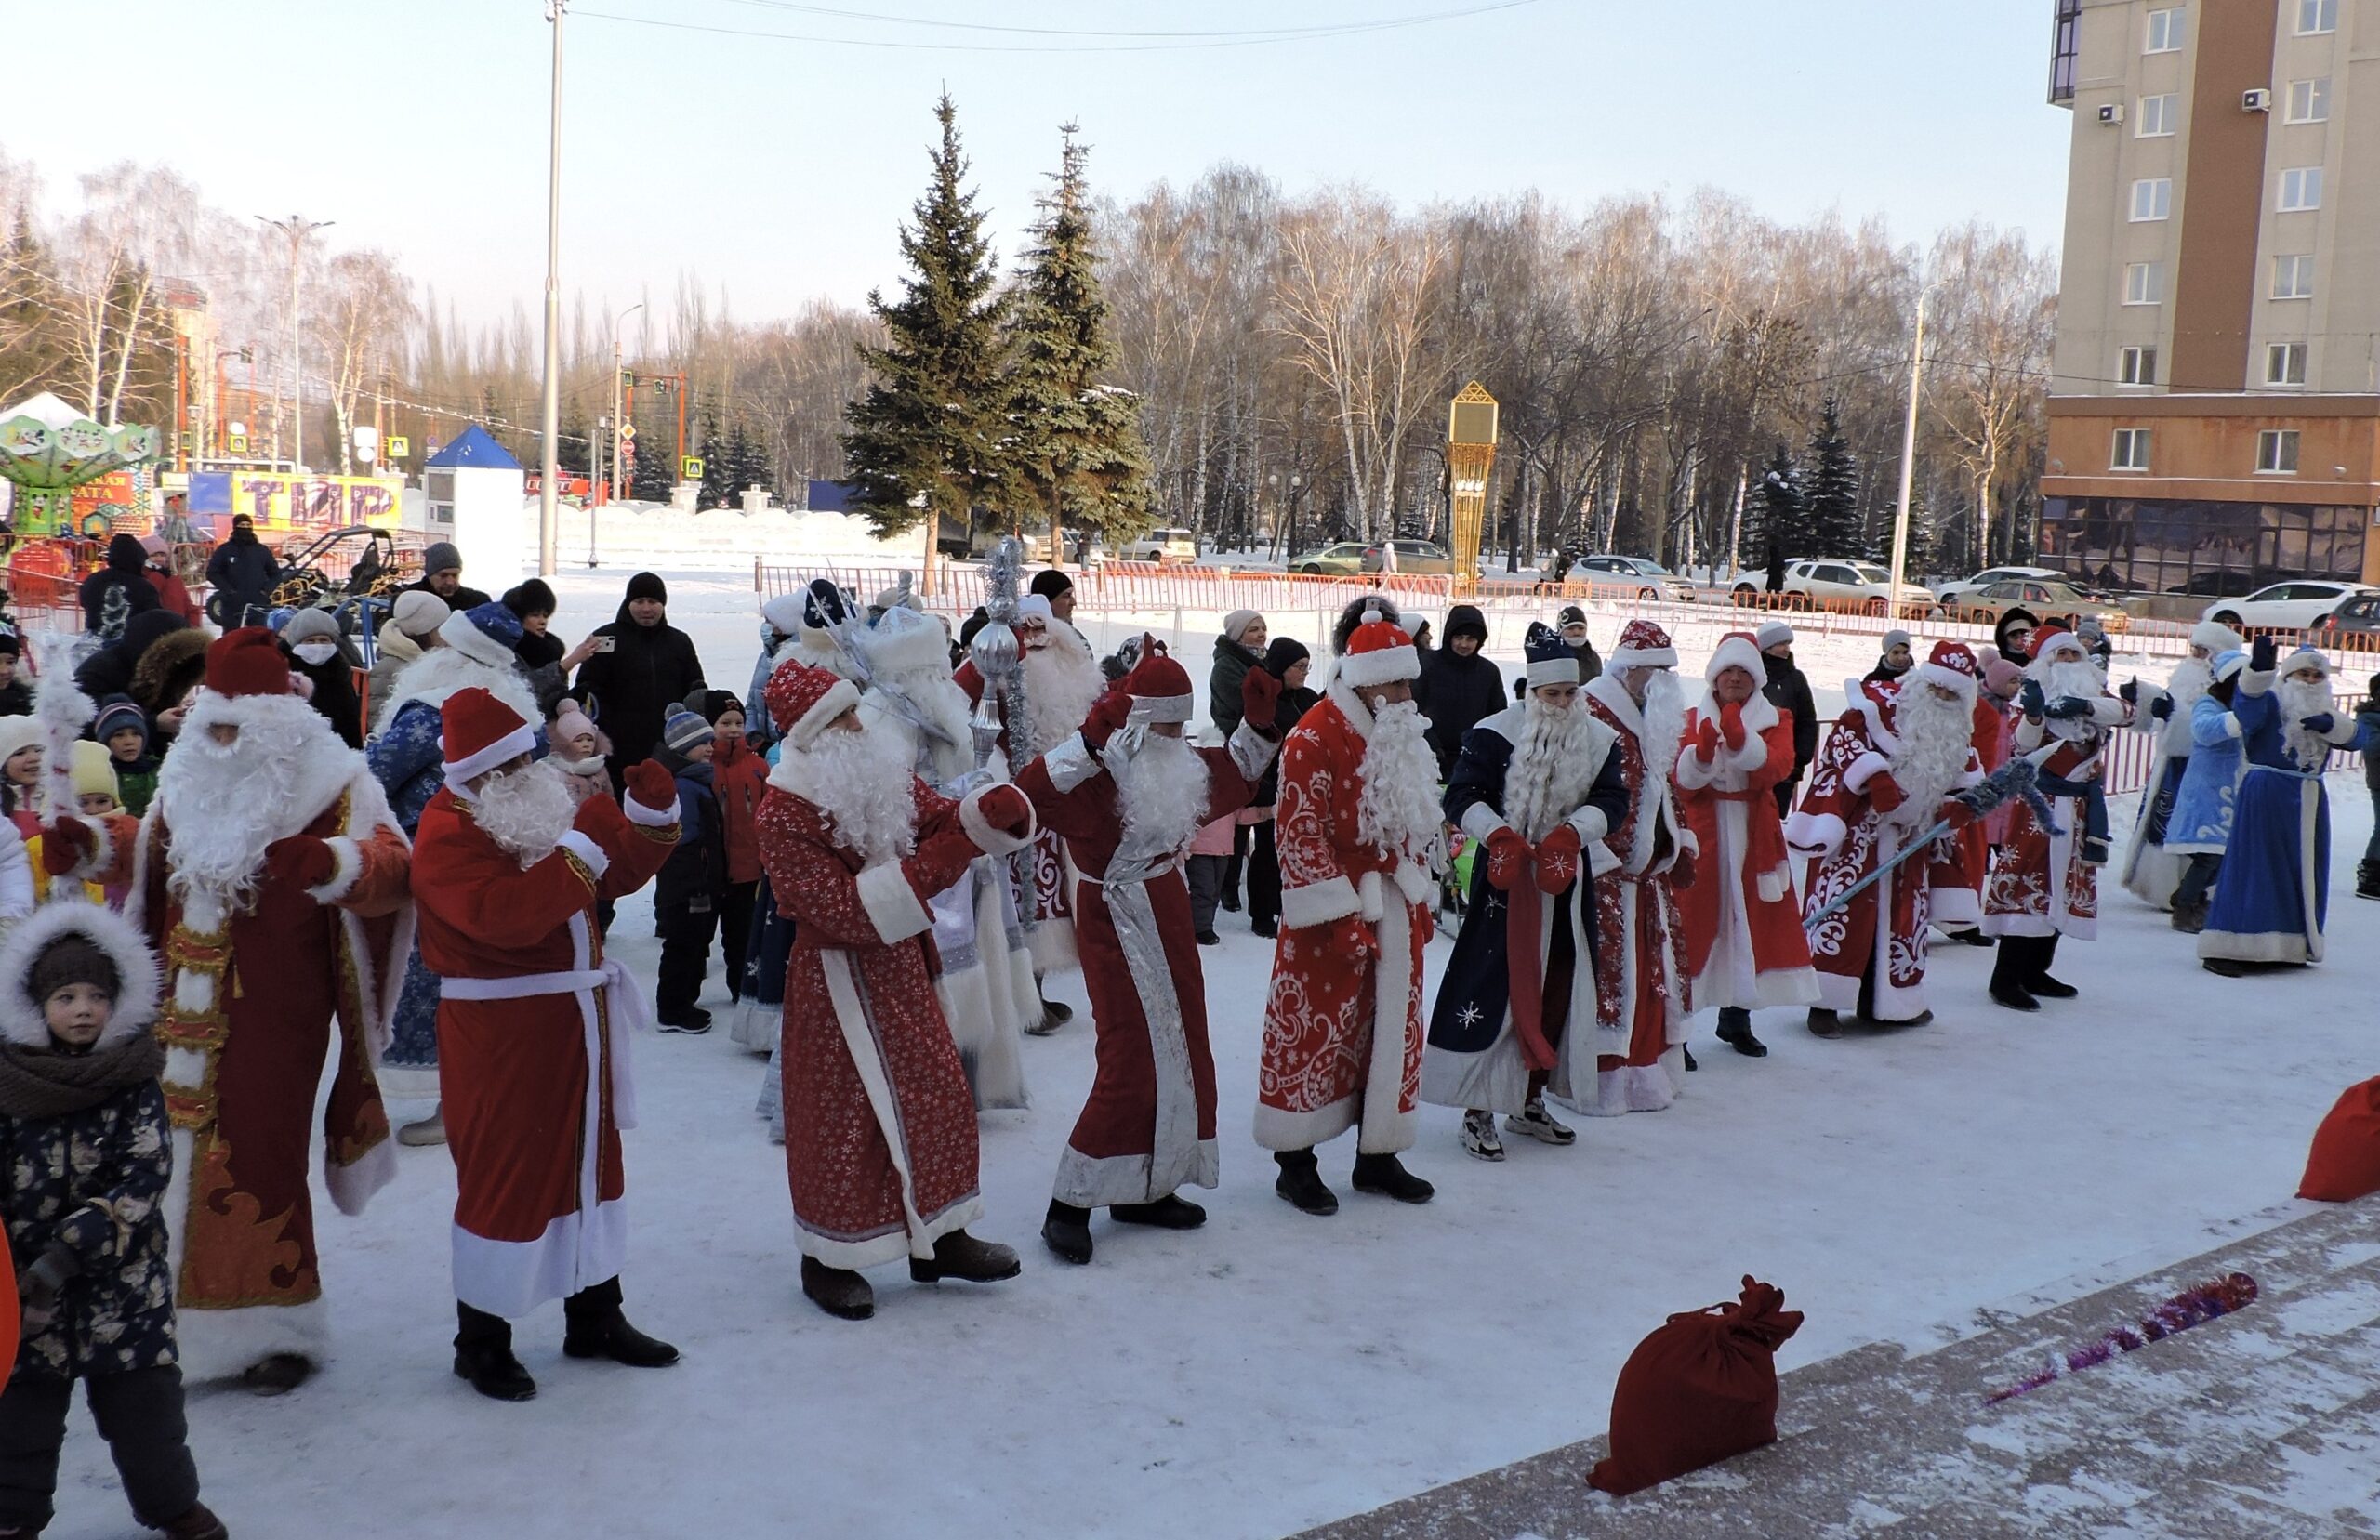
{"points": [[779, 169]]}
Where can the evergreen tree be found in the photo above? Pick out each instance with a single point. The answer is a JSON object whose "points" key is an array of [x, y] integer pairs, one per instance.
{"points": [[749, 463], [652, 470], [718, 461], [1917, 550], [1778, 528], [570, 453], [930, 424], [1834, 490], [1076, 444]]}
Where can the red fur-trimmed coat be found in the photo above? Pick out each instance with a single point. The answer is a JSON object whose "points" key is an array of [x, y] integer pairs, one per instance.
{"points": [[1640, 953], [1342, 1025], [2040, 883], [1744, 944]]}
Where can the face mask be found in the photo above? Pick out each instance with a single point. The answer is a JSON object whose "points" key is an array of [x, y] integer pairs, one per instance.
{"points": [[316, 653]]}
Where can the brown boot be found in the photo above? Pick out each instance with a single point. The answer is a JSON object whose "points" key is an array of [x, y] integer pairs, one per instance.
{"points": [[960, 1256], [838, 1291], [197, 1524]]}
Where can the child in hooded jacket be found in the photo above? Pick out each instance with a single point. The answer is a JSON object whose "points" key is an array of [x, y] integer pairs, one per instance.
{"points": [[739, 778], [122, 728], [686, 895]]}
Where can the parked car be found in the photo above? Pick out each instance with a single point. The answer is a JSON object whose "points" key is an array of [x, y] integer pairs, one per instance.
{"points": [[1160, 546], [2224, 582], [1652, 579], [1950, 594], [1412, 556], [1343, 560], [2044, 598], [2296, 604], [1818, 582], [2359, 615]]}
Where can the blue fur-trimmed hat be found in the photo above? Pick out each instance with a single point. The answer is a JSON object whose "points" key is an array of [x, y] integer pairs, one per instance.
{"points": [[1550, 660]]}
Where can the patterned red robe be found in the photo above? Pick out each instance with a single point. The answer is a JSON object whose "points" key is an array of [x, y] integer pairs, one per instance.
{"points": [[533, 1045], [1043, 884], [1842, 833], [1148, 1126], [880, 1126], [1640, 960], [1957, 873], [1744, 944], [250, 1002], [1343, 1029], [2040, 885]]}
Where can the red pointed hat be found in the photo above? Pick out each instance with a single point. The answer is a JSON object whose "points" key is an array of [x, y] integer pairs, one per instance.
{"points": [[1379, 651], [1951, 665], [246, 662], [1643, 645], [2053, 635], [477, 732], [802, 700], [1159, 687]]}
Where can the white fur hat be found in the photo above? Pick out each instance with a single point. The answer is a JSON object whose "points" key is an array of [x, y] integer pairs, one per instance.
{"points": [[22, 1021], [2215, 637]]}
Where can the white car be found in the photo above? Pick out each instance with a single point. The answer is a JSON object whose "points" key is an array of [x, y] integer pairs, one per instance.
{"points": [[1160, 546], [1843, 584], [2296, 605], [1652, 579], [1950, 594]]}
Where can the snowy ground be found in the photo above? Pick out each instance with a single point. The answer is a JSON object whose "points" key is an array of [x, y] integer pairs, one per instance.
{"points": [[1274, 1370]]}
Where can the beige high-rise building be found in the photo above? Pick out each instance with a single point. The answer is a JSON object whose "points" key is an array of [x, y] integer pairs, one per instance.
{"points": [[2214, 417]]}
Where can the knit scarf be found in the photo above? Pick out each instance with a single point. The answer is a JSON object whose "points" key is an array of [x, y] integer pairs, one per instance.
{"points": [[38, 1083]]}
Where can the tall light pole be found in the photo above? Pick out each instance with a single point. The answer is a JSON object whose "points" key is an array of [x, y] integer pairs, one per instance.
{"points": [[297, 229], [619, 484], [551, 425], [1908, 453]]}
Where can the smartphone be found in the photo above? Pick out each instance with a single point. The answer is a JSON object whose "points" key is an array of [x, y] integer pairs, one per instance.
{"points": [[605, 644]]}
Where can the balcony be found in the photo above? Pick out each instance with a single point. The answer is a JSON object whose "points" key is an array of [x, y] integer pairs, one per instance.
{"points": [[2065, 44]]}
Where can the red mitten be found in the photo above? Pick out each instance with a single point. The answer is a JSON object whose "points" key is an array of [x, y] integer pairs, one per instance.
{"points": [[1958, 813], [1260, 700], [66, 845], [301, 861], [1682, 871], [653, 786], [1885, 793], [1006, 808], [1706, 741], [1558, 859], [1351, 937], [1731, 723], [1104, 718], [1507, 854]]}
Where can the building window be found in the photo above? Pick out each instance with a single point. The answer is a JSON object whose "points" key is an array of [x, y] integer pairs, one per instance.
{"points": [[2065, 49], [2293, 278], [2130, 451], [2152, 197], [2316, 16], [2301, 189], [2144, 283], [2200, 550], [2165, 30], [2158, 116], [2136, 366], [2285, 364], [2309, 101], [2277, 452]]}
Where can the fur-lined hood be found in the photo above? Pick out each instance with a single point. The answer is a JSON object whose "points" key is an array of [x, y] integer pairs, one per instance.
{"points": [[166, 670], [22, 1021], [442, 671]]}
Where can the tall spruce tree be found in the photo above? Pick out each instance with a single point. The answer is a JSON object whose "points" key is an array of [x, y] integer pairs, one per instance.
{"points": [[931, 425], [1779, 523], [1834, 490], [1074, 449], [653, 467]]}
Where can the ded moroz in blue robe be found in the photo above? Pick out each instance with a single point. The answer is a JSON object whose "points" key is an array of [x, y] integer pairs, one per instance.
{"points": [[2274, 894]]}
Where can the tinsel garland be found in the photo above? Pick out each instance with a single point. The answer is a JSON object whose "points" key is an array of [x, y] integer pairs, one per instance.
{"points": [[2187, 1309]]}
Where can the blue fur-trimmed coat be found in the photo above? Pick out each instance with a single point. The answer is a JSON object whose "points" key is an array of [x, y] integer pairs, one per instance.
{"points": [[2273, 898], [2200, 821], [1474, 1057]]}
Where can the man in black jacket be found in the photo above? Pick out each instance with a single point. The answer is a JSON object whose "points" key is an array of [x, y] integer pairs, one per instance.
{"points": [[1787, 690], [242, 572], [442, 574], [1460, 687], [104, 613], [645, 667], [1572, 624]]}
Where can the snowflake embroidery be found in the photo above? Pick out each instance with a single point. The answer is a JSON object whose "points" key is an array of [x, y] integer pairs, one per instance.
{"points": [[1469, 1016]]}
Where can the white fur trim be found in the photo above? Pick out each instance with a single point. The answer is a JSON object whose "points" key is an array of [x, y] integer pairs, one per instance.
{"points": [[218, 1343], [1625, 658], [1738, 652], [577, 843], [1561, 670], [512, 746], [842, 696], [1815, 834], [2215, 637], [1070, 764], [457, 632], [1479, 821], [1318, 902], [1591, 825], [1864, 769], [511, 1278], [1961, 684], [1386, 1127], [353, 1185], [442, 671], [892, 905], [1161, 708], [347, 864], [1382, 665], [22, 1021], [992, 841], [1250, 751], [649, 817]]}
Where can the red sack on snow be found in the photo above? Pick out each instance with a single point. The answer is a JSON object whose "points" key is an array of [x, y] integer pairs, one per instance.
{"points": [[2345, 1161], [1700, 1389]]}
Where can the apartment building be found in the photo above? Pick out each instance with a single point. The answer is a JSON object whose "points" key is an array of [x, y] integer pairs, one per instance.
{"points": [[2214, 417]]}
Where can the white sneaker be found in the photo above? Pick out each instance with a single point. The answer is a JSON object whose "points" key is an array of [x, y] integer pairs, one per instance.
{"points": [[1479, 1138], [1538, 1125], [430, 1130]]}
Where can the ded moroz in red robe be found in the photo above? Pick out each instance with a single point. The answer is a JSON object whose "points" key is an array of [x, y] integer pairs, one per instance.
{"points": [[1640, 963], [1148, 1126], [1744, 945], [880, 1126], [532, 1050]]}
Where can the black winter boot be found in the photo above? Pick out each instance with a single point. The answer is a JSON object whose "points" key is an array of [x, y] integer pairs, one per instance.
{"points": [[1735, 1030], [1170, 1211], [1824, 1022], [594, 1328], [961, 1257], [484, 1356], [1300, 1182], [2367, 879], [838, 1291], [1066, 1232], [1387, 1177]]}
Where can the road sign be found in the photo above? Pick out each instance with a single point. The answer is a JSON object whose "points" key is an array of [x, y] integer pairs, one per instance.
{"points": [[690, 468], [399, 446], [239, 443], [628, 433]]}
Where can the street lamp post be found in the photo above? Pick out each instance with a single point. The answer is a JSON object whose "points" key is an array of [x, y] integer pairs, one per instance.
{"points": [[550, 415], [619, 482], [1907, 455], [297, 229]]}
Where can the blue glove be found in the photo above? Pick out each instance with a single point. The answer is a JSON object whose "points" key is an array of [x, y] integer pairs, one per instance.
{"points": [[2319, 724], [2033, 698], [2067, 708], [2260, 654], [2162, 708]]}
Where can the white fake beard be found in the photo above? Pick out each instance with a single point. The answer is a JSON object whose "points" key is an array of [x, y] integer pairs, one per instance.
{"points": [[1398, 810], [1550, 772], [1161, 789], [2187, 686], [862, 785], [2299, 699], [526, 811], [1936, 742], [1062, 683], [1664, 716], [928, 711], [224, 803]]}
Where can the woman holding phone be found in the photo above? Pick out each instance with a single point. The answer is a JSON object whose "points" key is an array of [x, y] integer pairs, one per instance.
{"points": [[640, 666]]}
